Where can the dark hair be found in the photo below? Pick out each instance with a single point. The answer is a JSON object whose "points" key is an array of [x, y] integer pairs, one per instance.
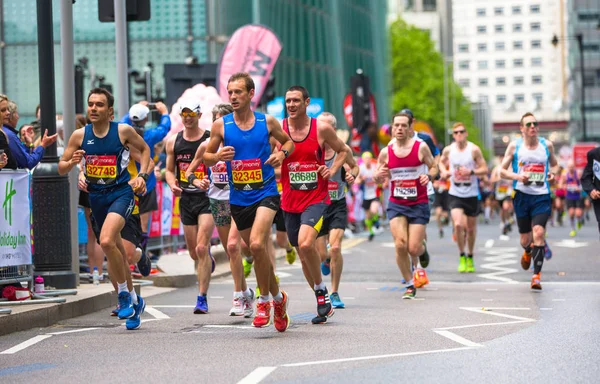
{"points": [[80, 121], [299, 88], [524, 116], [400, 114], [110, 99], [243, 76]]}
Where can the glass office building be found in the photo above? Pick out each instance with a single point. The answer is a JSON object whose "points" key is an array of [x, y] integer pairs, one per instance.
{"points": [[324, 42]]}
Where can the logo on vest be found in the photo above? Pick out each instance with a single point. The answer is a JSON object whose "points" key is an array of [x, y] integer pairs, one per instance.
{"points": [[247, 188]]}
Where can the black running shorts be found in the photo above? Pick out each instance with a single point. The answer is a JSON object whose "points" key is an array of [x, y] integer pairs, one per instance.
{"points": [[192, 205], [244, 215], [313, 216], [470, 205]]}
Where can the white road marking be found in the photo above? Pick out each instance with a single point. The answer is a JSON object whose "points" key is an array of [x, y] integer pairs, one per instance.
{"points": [[228, 326], [172, 306], [487, 299], [492, 313], [545, 309], [72, 331], [558, 299], [497, 260], [25, 344], [491, 289], [349, 298], [458, 339], [489, 243], [216, 297], [257, 375], [388, 245], [481, 325], [156, 313], [372, 289], [570, 243]]}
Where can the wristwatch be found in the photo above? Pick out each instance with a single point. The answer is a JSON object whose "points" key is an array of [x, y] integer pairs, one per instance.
{"points": [[285, 152], [472, 172], [143, 176]]}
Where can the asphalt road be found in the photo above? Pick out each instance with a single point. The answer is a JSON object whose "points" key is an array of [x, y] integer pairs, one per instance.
{"points": [[481, 327]]}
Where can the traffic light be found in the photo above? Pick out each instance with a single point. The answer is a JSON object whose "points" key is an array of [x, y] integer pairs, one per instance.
{"points": [[137, 10], [144, 84], [361, 106], [269, 93]]}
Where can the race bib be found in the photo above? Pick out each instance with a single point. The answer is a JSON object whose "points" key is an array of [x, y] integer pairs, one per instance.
{"points": [[219, 176], [247, 174], [502, 189], [303, 176], [200, 172], [461, 179], [101, 169], [404, 189], [333, 188], [536, 171], [572, 187]]}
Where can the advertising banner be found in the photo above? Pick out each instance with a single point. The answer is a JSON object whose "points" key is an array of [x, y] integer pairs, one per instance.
{"points": [[15, 218], [580, 151]]}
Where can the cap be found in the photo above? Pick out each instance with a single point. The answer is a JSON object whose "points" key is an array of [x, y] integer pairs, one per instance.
{"points": [[192, 105], [367, 155], [138, 112], [408, 112]]}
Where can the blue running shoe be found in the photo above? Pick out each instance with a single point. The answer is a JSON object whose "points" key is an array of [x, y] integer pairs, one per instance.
{"points": [[125, 307], [201, 305], [144, 264], [135, 322], [325, 267], [547, 252], [336, 301], [115, 312], [212, 260]]}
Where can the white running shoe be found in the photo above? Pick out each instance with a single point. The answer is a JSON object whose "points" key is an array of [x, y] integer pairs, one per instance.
{"points": [[238, 307], [249, 305]]}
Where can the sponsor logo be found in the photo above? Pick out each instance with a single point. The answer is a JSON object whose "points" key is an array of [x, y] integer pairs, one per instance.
{"points": [[90, 142]]}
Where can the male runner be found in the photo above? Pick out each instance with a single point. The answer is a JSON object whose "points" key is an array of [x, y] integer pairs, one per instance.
{"points": [[305, 198], [574, 201], [531, 158], [503, 194], [404, 164], [370, 202], [104, 145], [440, 203], [194, 205], [253, 195], [466, 163], [590, 180], [336, 215]]}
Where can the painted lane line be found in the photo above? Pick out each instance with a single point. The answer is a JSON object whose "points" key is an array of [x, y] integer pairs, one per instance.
{"points": [[481, 325], [491, 289], [151, 310], [558, 299], [171, 306], [491, 313], [487, 299], [25, 344], [372, 289], [72, 331], [508, 308], [216, 297], [545, 309], [349, 298], [497, 260], [458, 339], [257, 375], [489, 243]]}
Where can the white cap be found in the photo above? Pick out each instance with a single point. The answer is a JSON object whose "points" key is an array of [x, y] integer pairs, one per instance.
{"points": [[138, 112], [192, 105]]}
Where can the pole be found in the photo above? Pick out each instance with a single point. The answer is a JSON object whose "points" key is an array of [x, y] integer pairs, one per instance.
{"points": [[255, 11], [121, 54], [50, 191], [581, 68], [446, 105]]}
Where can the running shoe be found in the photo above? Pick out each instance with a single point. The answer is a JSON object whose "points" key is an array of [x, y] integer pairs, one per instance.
{"points": [[324, 307], [547, 251], [212, 260], [134, 322], [535, 282], [144, 264], [290, 255], [249, 305], [424, 258], [336, 301], [441, 233], [420, 278], [371, 236], [579, 224], [470, 265], [573, 233], [201, 305], [238, 306], [319, 320], [410, 293], [247, 266], [325, 267], [263, 314], [280, 317], [526, 260], [115, 312], [462, 264], [125, 307]]}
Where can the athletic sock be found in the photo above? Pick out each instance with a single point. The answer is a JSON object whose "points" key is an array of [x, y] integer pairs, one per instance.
{"points": [[470, 256], [238, 294], [134, 296], [263, 299], [528, 249], [369, 225], [144, 241], [247, 292], [487, 211], [122, 287], [538, 259], [409, 283], [278, 298], [320, 286], [462, 254], [289, 247]]}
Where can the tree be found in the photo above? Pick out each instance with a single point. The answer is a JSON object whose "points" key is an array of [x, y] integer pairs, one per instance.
{"points": [[418, 81]]}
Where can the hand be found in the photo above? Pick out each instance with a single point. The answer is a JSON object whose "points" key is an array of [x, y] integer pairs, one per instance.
{"points": [[523, 178], [162, 108], [202, 184], [175, 189], [445, 175], [595, 194], [323, 171], [423, 179], [139, 186], [77, 156], [28, 135], [551, 176], [463, 171], [82, 182], [48, 140], [157, 170], [226, 154], [275, 159], [350, 178], [3, 160], [143, 102], [382, 172]]}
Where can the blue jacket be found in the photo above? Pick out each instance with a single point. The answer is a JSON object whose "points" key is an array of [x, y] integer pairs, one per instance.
{"points": [[18, 150]]}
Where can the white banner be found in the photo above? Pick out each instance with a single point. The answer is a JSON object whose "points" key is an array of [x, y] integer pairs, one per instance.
{"points": [[15, 218], [167, 210]]}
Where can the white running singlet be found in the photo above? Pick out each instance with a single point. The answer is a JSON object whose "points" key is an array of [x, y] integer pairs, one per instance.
{"points": [[535, 163], [462, 186]]}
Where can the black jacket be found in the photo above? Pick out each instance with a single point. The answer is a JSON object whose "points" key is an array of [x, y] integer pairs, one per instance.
{"points": [[12, 162], [590, 179]]}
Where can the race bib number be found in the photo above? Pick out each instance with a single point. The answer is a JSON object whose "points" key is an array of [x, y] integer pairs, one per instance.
{"points": [[596, 169], [572, 187], [333, 187], [502, 189], [247, 174], [461, 179], [220, 178], [200, 172], [101, 169], [303, 176], [536, 171], [405, 189]]}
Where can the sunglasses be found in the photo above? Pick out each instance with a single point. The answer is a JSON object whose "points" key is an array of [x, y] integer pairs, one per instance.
{"points": [[457, 132], [531, 124], [189, 114]]}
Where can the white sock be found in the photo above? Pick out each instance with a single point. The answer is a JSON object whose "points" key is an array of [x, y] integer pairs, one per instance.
{"points": [[487, 212], [237, 294], [247, 292], [278, 297], [263, 299], [122, 287], [411, 282], [134, 296], [320, 286]]}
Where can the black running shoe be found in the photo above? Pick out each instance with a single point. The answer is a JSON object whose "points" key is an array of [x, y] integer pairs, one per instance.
{"points": [[410, 293], [424, 258], [324, 307], [144, 264], [319, 320]]}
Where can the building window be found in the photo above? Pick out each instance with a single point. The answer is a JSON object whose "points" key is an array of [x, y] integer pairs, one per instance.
{"points": [[536, 79], [463, 64], [499, 45], [517, 44], [500, 80], [537, 97], [519, 97], [498, 11], [536, 27], [518, 27], [591, 47], [500, 98], [429, 5], [465, 83], [463, 48], [480, 11], [481, 29], [482, 64], [534, 8], [482, 47], [536, 61], [518, 63], [519, 80], [588, 16], [516, 10], [483, 81], [499, 28], [500, 63], [536, 44]]}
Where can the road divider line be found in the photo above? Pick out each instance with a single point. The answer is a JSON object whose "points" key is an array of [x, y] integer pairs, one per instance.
{"points": [[458, 339], [72, 331], [257, 375], [25, 344], [156, 313], [492, 313], [480, 325]]}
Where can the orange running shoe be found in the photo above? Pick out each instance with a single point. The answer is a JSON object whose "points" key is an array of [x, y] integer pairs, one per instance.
{"points": [[535, 282], [420, 278], [526, 260], [280, 316], [263, 314]]}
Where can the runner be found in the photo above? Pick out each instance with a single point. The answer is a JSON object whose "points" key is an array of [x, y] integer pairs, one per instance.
{"points": [[440, 203], [305, 198], [253, 195], [590, 180], [218, 194], [104, 145], [194, 206], [336, 215], [404, 164], [503, 194], [574, 201], [466, 163], [530, 157], [370, 203], [560, 193]]}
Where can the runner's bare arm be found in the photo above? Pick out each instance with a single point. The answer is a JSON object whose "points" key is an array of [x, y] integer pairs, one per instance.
{"points": [[211, 154], [283, 138], [130, 138], [444, 172], [427, 158], [137, 156], [73, 153], [382, 172], [329, 137], [198, 158], [482, 168], [170, 166], [505, 170], [495, 174], [352, 169]]}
